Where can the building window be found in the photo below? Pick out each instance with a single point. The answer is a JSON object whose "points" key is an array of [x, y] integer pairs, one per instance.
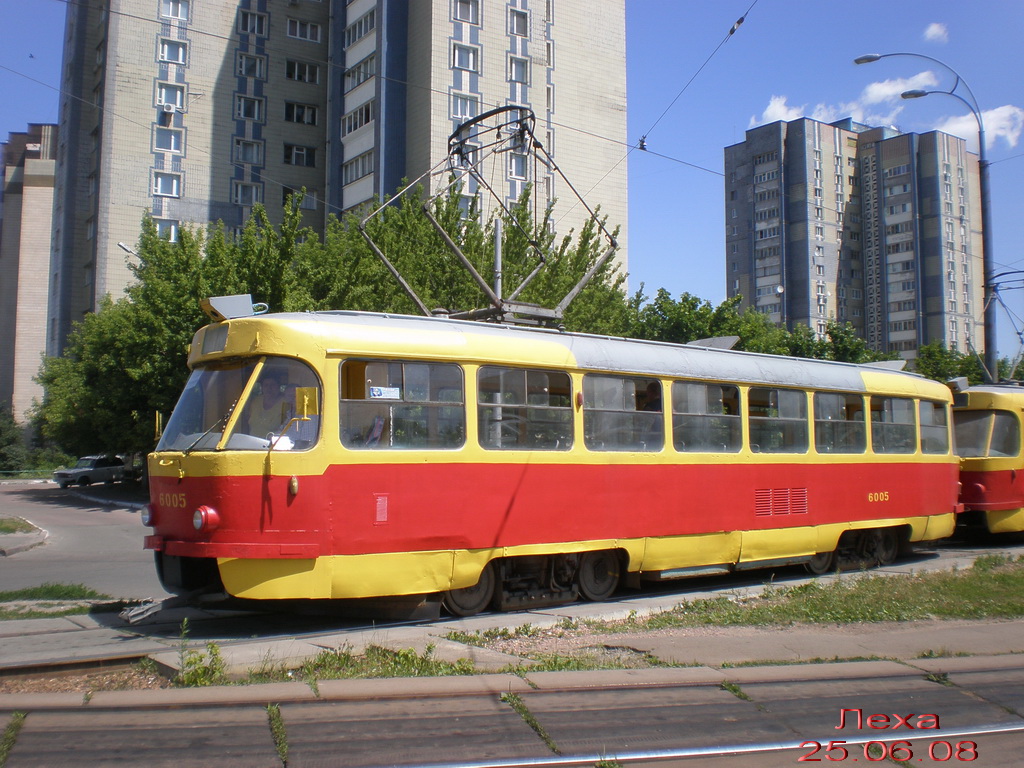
{"points": [[308, 202], [167, 229], [465, 107], [168, 140], [248, 151], [248, 108], [298, 155], [304, 30], [360, 28], [357, 168], [300, 113], [518, 70], [174, 9], [302, 72], [251, 66], [466, 57], [358, 117], [172, 51], [517, 165], [250, 23], [518, 23], [243, 193], [166, 184], [360, 72], [467, 11], [170, 94]]}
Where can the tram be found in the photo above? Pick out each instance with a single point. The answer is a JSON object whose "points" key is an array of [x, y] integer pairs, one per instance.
{"points": [[987, 425], [339, 455]]}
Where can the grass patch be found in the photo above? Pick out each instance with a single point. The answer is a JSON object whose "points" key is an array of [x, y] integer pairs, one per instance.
{"points": [[15, 525], [375, 661], [584, 661], [992, 589], [487, 636], [52, 591], [51, 600]]}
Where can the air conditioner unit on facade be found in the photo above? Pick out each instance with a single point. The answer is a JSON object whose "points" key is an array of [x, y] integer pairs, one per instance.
{"points": [[168, 108]]}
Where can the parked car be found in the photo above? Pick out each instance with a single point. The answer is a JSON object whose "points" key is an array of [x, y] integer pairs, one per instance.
{"points": [[91, 469]]}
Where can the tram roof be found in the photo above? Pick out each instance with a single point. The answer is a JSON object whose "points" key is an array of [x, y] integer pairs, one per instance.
{"points": [[612, 354]]}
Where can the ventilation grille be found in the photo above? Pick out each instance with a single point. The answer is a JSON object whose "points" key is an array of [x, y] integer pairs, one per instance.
{"points": [[780, 501]]}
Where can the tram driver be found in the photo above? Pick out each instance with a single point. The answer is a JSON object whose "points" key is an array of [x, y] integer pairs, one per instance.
{"points": [[271, 411]]}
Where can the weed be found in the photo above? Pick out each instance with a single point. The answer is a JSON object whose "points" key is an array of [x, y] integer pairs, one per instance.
{"points": [[735, 690], [196, 668], [519, 706], [10, 735], [278, 731], [942, 678]]}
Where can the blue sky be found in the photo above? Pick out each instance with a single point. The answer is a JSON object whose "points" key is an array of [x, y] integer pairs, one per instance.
{"points": [[789, 58]]}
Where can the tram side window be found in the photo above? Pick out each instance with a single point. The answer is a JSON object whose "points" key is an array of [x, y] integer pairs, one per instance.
{"points": [[893, 429], [934, 427], [282, 409], [777, 420], [986, 434], [399, 404], [524, 410], [622, 413], [839, 425], [706, 417]]}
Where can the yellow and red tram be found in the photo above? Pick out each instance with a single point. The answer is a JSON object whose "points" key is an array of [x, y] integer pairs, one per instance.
{"points": [[987, 425], [344, 455]]}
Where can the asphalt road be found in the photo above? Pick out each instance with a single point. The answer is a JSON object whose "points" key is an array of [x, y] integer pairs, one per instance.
{"points": [[98, 546]]}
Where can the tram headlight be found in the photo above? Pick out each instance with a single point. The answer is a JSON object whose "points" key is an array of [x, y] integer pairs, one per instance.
{"points": [[147, 516], [205, 519]]}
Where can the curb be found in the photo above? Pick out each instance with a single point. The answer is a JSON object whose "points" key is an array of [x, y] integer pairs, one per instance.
{"points": [[482, 685], [13, 543]]}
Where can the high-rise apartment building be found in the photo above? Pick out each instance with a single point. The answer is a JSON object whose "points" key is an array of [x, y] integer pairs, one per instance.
{"points": [[197, 109], [864, 225], [27, 163]]}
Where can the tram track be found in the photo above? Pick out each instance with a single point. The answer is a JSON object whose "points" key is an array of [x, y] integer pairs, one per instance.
{"points": [[80, 644]]}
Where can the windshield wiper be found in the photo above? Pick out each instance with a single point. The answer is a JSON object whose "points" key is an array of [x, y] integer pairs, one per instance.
{"points": [[223, 419]]}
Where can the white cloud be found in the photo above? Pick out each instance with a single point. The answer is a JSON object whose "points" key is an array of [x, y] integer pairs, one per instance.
{"points": [[888, 91], [777, 109], [936, 33], [1006, 122], [880, 104]]}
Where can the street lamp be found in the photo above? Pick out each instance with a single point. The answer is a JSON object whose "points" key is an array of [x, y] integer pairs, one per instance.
{"points": [[987, 258]]}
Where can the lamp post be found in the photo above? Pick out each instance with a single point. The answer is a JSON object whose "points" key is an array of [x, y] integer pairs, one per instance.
{"points": [[987, 260]]}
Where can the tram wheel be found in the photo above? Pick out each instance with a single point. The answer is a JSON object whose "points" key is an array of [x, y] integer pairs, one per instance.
{"points": [[469, 601], [887, 546], [599, 574], [821, 563]]}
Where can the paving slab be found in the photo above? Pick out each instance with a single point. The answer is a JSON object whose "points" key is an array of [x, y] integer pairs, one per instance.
{"points": [[815, 709], [222, 737], [407, 732], [619, 721]]}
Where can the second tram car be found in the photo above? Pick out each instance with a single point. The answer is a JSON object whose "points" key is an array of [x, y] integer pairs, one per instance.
{"points": [[345, 455], [987, 423]]}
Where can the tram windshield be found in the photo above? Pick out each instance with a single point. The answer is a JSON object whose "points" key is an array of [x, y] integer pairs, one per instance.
{"points": [[986, 434], [281, 409]]}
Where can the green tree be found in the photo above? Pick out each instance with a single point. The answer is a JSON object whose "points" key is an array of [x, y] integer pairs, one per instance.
{"points": [[14, 454], [126, 362]]}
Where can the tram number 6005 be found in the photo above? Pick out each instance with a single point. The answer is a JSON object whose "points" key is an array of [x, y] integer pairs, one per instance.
{"points": [[878, 496], [172, 500]]}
